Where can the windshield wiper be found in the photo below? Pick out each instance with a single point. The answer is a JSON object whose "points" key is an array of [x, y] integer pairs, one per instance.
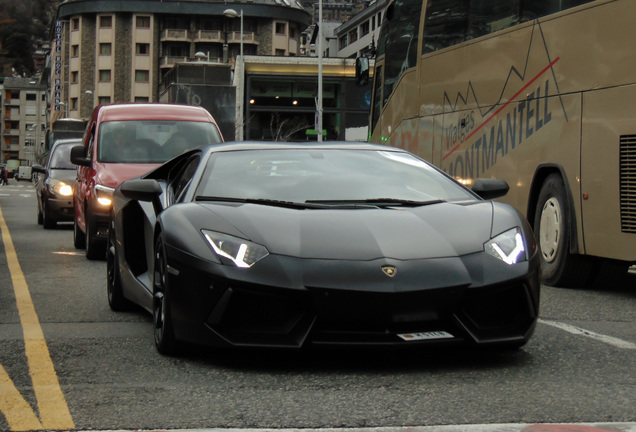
{"points": [[378, 202], [264, 201]]}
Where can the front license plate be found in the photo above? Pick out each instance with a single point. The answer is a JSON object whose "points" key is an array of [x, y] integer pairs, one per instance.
{"points": [[426, 336]]}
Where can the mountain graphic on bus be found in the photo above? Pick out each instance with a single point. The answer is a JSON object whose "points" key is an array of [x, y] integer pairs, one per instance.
{"points": [[522, 105]]}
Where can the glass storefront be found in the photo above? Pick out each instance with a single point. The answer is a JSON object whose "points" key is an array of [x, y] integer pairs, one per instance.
{"points": [[284, 109]]}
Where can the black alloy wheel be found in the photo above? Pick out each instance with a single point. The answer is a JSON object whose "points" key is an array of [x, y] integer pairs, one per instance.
{"points": [[165, 341], [116, 299]]}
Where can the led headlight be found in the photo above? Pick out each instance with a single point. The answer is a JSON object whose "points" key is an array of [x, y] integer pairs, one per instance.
{"points": [[104, 195], [241, 252], [508, 247], [58, 187]]}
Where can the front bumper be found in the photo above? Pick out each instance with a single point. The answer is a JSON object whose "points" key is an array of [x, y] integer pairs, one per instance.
{"points": [[60, 209], [215, 305]]}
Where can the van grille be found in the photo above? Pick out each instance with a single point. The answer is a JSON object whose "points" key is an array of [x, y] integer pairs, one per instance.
{"points": [[628, 183]]}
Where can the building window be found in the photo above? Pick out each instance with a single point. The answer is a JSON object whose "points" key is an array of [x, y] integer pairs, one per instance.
{"points": [[31, 97], [104, 100], [106, 21], [142, 49], [75, 24], [104, 75], [141, 99], [281, 28], [364, 29], [143, 22], [75, 51], [342, 42], [353, 36], [279, 52], [373, 22], [74, 104], [74, 77], [292, 32], [142, 76], [104, 49]]}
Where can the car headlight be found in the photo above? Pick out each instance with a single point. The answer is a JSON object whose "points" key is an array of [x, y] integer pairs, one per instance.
{"points": [[240, 252], [58, 187], [508, 247], [104, 195]]}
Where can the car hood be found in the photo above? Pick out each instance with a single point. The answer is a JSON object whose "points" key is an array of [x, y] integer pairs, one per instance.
{"points": [[433, 231], [66, 175], [112, 174]]}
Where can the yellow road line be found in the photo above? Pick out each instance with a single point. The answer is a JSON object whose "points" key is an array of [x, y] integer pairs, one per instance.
{"points": [[54, 412], [16, 410]]}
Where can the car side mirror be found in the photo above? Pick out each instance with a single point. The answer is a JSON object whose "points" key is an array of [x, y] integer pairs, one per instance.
{"points": [[78, 156], [490, 188], [38, 169], [147, 190]]}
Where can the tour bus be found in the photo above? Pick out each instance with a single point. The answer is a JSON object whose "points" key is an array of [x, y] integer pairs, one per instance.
{"points": [[540, 93]]}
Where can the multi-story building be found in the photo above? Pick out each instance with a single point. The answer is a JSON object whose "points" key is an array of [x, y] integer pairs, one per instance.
{"points": [[23, 119], [358, 36], [114, 51]]}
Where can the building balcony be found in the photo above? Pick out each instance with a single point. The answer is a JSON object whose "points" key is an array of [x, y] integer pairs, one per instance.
{"points": [[175, 35], [208, 36], [235, 37], [171, 61]]}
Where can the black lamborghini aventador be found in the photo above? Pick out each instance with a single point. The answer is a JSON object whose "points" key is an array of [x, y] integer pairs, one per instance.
{"points": [[341, 244]]}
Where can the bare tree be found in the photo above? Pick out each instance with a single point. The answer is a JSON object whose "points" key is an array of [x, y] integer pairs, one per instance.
{"points": [[284, 130]]}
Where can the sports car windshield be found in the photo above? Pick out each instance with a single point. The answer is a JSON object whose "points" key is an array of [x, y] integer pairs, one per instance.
{"points": [[328, 177]]}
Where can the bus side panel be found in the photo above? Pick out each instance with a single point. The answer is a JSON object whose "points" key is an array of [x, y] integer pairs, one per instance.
{"points": [[511, 145], [416, 135], [608, 124], [402, 105]]}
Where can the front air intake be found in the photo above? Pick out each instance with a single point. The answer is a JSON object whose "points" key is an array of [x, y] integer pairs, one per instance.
{"points": [[628, 183]]}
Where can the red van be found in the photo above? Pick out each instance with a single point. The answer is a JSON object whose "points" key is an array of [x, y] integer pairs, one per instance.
{"points": [[123, 141]]}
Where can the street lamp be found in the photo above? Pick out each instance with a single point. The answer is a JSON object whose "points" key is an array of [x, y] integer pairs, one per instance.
{"points": [[65, 108], [231, 13]]}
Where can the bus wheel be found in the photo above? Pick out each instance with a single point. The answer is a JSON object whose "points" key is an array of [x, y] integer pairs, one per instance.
{"points": [[551, 227]]}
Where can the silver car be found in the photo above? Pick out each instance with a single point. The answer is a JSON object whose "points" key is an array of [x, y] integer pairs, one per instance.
{"points": [[54, 185]]}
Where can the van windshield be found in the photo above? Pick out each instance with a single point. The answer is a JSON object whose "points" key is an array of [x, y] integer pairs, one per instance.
{"points": [[152, 141]]}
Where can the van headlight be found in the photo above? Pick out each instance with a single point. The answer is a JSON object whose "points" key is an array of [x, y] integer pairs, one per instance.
{"points": [[508, 246], [58, 187], [104, 195]]}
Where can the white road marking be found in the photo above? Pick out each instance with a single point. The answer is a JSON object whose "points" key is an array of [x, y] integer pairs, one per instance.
{"points": [[616, 342]]}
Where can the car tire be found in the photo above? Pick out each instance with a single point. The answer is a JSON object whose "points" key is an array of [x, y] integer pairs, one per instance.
{"points": [[79, 238], [47, 221], [115, 292], [559, 267], [95, 247], [40, 215], [165, 340]]}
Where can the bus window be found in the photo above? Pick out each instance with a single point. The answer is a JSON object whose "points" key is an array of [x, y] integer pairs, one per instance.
{"points": [[489, 16], [533, 9], [377, 97], [402, 26], [451, 22]]}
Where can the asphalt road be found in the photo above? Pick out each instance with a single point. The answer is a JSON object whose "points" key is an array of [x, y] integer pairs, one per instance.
{"points": [[68, 362]]}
